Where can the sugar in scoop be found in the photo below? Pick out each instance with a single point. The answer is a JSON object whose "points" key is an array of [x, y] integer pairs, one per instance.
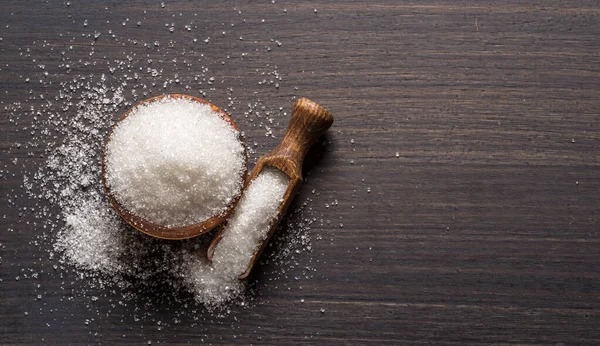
{"points": [[249, 222], [245, 229], [273, 182], [173, 163]]}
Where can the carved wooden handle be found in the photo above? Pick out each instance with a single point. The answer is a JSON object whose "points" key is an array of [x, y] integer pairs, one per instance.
{"points": [[309, 122]]}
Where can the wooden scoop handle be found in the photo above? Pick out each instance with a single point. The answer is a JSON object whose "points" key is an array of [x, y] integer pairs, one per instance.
{"points": [[309, 122]]}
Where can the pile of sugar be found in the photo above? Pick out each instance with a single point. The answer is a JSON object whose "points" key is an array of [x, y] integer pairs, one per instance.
{"points": [[92, 236], [245, 229], [96, 240], [63, 211], [175, 162], [88, 238]]}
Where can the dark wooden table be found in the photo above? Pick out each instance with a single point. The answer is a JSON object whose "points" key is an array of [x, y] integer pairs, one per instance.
{"points": [[476, 128]]}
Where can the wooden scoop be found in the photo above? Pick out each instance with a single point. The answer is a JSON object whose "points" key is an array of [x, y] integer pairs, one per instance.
{"points": [[309, 122], [184, 232]]}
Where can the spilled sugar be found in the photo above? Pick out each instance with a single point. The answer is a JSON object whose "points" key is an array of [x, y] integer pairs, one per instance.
{"points": [[248, 225], [95, 240], [175, 162], [61, 126], [245, 229], [92, 238]]}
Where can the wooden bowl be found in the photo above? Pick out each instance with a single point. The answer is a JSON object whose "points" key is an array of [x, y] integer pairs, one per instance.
{"points": [[162, 232]]}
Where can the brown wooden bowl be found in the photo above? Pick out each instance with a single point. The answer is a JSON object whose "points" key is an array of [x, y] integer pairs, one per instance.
{"points": [[162, 232]]}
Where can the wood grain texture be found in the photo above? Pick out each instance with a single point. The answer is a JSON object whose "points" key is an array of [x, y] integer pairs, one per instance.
{"points": [[469, 198]]}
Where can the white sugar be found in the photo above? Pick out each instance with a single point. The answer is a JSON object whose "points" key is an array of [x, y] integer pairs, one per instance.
{"points": [[90, 261], [90, 237], [175, 162], [249, 223], [245, 230]]}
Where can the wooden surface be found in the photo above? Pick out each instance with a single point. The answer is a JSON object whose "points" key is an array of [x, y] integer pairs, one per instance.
{"points": [[483, 230]]}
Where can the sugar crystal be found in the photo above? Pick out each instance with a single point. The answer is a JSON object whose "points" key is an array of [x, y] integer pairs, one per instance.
{"points": [[175, 162], [245, 230]]}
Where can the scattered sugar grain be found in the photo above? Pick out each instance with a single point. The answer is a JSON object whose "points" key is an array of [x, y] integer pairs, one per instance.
{"points": [[246, 228], [90, 238], [69, 129]]}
